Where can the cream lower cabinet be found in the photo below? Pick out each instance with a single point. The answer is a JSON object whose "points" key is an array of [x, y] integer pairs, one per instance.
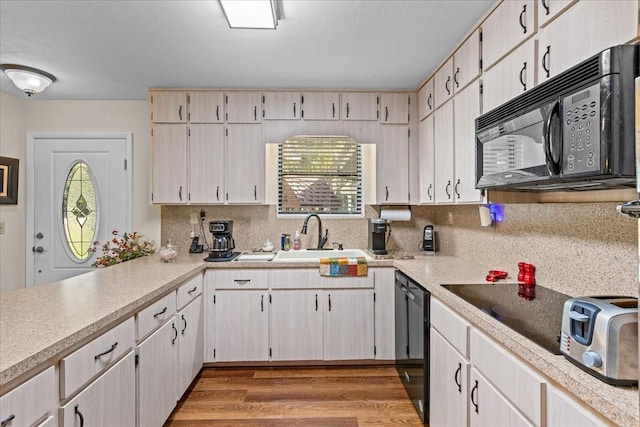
{"points": [[31, 403], [347, 326], [565, 411], [110, 400], [295, 324], [190, 344], [156, 375]]}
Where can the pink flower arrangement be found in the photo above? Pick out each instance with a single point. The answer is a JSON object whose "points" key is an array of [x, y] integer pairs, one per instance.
{"points": [[122, 248]]}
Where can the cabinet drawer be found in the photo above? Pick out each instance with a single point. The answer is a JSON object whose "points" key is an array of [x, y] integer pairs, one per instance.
{"points": [[31, 401], [311, 279], [189, 291], [522, 386], [451, 326], [87, 362], [241, 279], [108, 401], [155, 315]]}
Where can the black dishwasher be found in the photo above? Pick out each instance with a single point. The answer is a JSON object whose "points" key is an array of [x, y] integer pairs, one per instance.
{"points": [[412, 341]]}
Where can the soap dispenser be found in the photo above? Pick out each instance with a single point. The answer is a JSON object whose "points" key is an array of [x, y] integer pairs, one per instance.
{"points": [[297, 243]]}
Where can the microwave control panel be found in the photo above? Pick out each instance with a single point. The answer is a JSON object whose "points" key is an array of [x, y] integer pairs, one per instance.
{"points": [[581, 137]]}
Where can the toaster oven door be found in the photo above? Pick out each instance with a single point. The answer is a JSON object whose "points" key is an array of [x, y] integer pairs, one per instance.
{"points": [[518, 150]]}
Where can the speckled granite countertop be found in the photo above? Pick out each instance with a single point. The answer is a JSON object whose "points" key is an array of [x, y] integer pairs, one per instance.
{"points": [[38, 325]]}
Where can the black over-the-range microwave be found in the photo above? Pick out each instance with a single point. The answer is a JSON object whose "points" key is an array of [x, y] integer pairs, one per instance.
{"points": [[575, 131]]}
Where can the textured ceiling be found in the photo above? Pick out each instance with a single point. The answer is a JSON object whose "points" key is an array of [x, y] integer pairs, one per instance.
{"points": [[118, 49]]}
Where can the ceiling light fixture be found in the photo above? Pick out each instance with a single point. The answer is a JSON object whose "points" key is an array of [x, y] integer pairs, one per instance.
{"points": [[29, 80], [255, 14]]}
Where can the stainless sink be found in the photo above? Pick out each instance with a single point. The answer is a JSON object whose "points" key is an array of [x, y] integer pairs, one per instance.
{"points": [[310, 255], [538, 320]]}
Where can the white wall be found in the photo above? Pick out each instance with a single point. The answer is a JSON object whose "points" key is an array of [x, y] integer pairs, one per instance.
{"points": [[80, 116], [12, 243]]}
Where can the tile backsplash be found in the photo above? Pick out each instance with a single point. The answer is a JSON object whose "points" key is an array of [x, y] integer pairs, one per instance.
{"points": [[577, 248]]}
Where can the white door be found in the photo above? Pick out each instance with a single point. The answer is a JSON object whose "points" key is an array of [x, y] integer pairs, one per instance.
{"points": [[80, 192]]}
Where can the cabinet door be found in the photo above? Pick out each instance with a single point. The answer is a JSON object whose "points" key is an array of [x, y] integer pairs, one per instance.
{"points": [[359, 106], [169, 107], [443, 83], [489, 408], [242, 326], [564, 411], [281, 105], [348, 324], [190, 347], [426, 153], [392, 171], [320, 105], [244, 164], [108, 401], [295, 325], [206, 164], [31, 401], [426, 103], [394, 108], [448, 384], [243, 107], [384, 306], [549, 9], [443, 139], [466, 109], [509, 24], [510, 77], [169, 164], [157, 375], [466, 62], [206, 107], [585, 29]]}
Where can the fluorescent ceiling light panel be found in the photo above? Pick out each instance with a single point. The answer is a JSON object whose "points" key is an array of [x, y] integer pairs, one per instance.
{"points": [[249, 13]]}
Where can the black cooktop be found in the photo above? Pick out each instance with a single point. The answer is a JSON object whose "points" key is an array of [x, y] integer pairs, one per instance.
{"points": [[539, 320], [231, 257]]}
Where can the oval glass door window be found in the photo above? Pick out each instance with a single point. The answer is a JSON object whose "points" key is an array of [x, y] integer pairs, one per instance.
{"points": [[80, 212]]}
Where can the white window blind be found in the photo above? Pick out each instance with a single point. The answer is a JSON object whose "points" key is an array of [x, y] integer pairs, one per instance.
{"points": [[320, 175]]}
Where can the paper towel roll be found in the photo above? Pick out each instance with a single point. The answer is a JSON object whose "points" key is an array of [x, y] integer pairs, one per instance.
{"points": [[396, 214], [485, 216]]}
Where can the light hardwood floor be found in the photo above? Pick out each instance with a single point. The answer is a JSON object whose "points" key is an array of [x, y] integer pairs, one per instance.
{"points": [[324, 396]]}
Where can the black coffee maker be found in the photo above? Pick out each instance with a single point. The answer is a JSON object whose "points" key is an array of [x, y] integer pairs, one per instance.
{"points": [[378, 236], [223, 244]]}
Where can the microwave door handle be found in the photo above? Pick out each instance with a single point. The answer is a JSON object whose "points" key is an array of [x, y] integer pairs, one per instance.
{"points": [[552, 164]]}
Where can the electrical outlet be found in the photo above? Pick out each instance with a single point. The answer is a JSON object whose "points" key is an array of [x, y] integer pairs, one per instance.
{"points": [[1, 227], [202, 215], [450, 217], [194, 218]]}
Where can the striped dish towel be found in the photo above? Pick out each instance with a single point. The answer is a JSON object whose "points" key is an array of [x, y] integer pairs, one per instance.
{"points": [[343, 266]]}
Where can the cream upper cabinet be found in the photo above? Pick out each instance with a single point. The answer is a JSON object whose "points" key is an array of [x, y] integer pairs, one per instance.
{"points": [[281, 105], [169, 164], [394, 108], [321, 105], [443, 83], [245, 164], [443, 141], [510, 77], [586, 28], [348, 327], [206, 164], [426, 103], [426, 160], [549, 9], [206, 107], [511, 23], [169, 107], [466, 62], [392, 165], [359, 106], [243, 107], [466, 107]]}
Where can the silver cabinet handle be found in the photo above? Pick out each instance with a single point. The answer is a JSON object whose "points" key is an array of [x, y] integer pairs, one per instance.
{"points": [[429, 191]]}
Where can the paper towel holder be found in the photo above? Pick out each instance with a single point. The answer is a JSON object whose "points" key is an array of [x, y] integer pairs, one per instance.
{"points": [[395, 213]]}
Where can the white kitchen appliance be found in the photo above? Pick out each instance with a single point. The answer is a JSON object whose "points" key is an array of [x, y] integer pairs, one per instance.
{"points": [[600, 335]]}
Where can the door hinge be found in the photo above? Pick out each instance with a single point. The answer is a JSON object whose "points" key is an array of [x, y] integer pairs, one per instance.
{"points": [[137, 359], [481, 88], [214, 353], [189, 196], [481, 64], [152, 100], [214, 301], [374, 297], [269, 298], [189, 131], [152, 197], [151, 131], [302, 99], [408, 133], [375, 350], [226, 132], [125, 164], [269, 352]]}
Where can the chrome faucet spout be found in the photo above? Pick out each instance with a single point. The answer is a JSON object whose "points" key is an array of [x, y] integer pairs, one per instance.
{"points": [[321, 239]]}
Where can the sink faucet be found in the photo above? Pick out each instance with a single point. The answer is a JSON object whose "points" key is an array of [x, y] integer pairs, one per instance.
{"points": [[321, 239]]}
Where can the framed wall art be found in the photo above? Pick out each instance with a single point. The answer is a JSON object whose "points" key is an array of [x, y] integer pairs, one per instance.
{"points": [[8, 181]]}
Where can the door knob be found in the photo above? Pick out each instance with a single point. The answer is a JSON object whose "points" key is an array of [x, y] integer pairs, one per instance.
{"points": [[39, 249], [39, 236]]}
